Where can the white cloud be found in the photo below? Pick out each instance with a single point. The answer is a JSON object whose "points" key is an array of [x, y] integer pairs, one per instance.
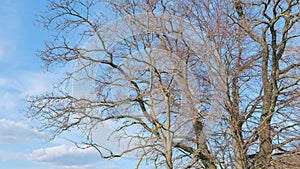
{"points": [[15, 89], [8, 98], [10, 156], [34, 83], [74, 167], [3, 81], [7, 102], [16, 132], [110, 166], [65, 157]]}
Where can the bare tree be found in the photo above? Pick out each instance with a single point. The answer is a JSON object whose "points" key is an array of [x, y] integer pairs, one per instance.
{"points": [[273, 26], [187, 84]]}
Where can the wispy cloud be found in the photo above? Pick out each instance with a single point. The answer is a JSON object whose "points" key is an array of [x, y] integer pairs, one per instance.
{"points": [[8, 98], [16, 132], [74, 167], [7, 102], [110, 166], [15, 89], [34, 83], [1, 52], [65, 157], [30, 83], [3, 81], [11, 156]]}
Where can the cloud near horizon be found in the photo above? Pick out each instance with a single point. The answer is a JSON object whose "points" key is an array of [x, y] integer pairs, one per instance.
{"points": [[65, 157], [16, 132]]}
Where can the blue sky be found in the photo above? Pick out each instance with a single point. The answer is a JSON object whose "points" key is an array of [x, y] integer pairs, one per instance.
{"points": [[21, 75]]}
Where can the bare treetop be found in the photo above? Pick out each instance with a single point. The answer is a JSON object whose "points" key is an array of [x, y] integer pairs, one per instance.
{"points": [[182, 84]]}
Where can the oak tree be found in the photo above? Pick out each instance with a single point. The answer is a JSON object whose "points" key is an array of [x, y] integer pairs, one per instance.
{"points": [[184, 84]]}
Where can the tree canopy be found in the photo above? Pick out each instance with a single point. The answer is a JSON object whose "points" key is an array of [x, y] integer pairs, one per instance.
{"points": [[184, 84]]}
